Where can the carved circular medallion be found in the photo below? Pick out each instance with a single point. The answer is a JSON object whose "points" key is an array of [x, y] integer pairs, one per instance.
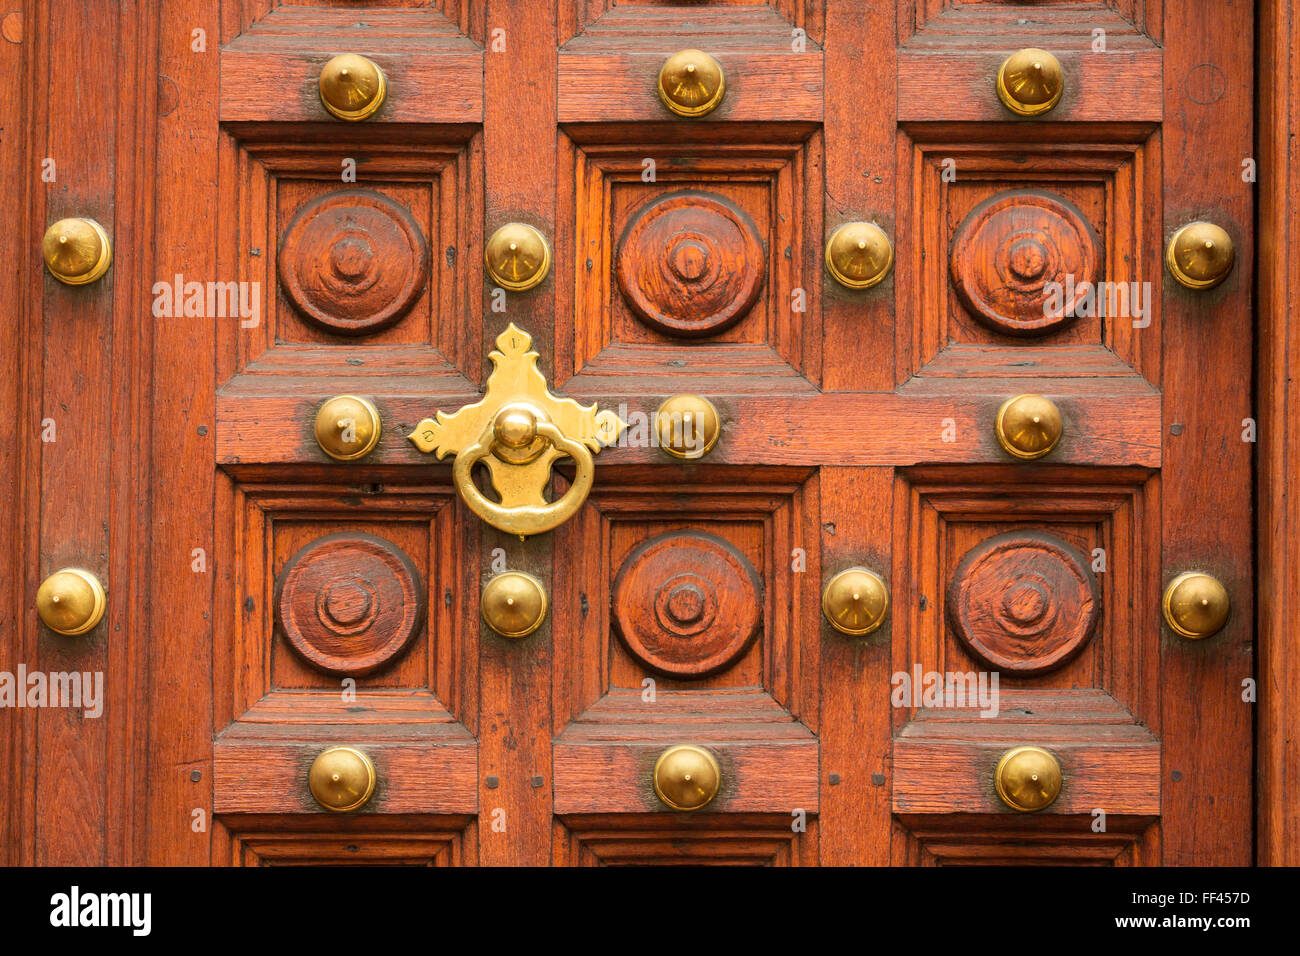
{"points": [[1023, 601], [687, 604], [1020, 260], [349, 603], [690, 264], [353, 261]]}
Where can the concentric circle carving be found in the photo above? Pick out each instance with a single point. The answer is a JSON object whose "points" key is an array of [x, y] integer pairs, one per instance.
{"points": [[349, 603], [353, 261], [687, 604], [690, 264], [1023, 602], [1020, 261]]}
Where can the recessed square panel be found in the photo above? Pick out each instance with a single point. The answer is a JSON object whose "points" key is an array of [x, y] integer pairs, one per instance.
{"points": [[354, 263], [1010, 242], [330, 587], [689, 256]]}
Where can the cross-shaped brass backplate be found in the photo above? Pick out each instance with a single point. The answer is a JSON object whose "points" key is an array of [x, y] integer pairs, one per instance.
{"points": [[518, 430]]}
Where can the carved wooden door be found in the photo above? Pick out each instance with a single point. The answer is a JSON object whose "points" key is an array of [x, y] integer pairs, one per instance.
{"points": [[914, 493]]}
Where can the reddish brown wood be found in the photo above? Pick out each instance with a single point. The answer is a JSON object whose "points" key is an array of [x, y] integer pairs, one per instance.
{"points": [[944, 759], [353, 261], [1278, 517], [690, 263], [1206, 514], [426, 768], [349, 603], [1010, 251], [857, 429], [687, 604], [1023, 602]]}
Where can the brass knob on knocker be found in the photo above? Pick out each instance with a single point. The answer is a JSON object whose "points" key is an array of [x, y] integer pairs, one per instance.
{"points": [[518, 431]]}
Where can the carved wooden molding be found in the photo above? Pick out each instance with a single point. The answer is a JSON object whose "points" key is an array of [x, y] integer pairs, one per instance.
{"points": [[353, 262], [690, 263], [349, 603], [687, 604], [1023, 601], [1010, 251]]}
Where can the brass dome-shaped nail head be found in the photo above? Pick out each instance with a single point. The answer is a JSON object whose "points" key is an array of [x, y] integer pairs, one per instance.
{"points": [[859, 255], [1028, 779], [1195, 605], [352, 87], [691, 83], [514, 604], [1028, 426], [517, 257], [77, 251], [347, 427], [342, 779], [71, 601], [1030, 82], [687, 426], [855, 601], [1200, 255], [686, 777]]}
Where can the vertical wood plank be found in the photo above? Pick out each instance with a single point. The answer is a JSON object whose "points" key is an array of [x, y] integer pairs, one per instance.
{"points": [[860, 127], [21, 101], [854, 823], [75, 471], [1278, 520], [181, 433], [520, 146], [1205, 498]]}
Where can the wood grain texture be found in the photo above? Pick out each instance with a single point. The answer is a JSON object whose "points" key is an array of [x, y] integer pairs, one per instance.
{"points": [[767, 79], [687, 604], [857, 431], [1277, 585], [1023, 602], [768, 765], [514, 719], [270, 70], [690, 263], [180, 420], [1012, 248], [1108, 421], [854, 723], [421, 768], [18, 456], [353, 261], [1206, 515], [1113, 87], [349, 603], [944, 759]]}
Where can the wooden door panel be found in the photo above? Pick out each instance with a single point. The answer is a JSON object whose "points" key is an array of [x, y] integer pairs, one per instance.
{"points": [[342, 604], [348, 603]]}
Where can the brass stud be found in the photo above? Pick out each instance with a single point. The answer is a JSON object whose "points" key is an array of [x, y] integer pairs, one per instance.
{"points": [[1200, 255], [1028, 426], [691, 83], [347, 427], [859, 255], [686, 777], [1030, 82], [71, 601], [77, 251], [1028, 779], [855, 601], [341, 779], [517, 257], [687, 426], [514, 604], [352, 87], [1195, 605]]}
